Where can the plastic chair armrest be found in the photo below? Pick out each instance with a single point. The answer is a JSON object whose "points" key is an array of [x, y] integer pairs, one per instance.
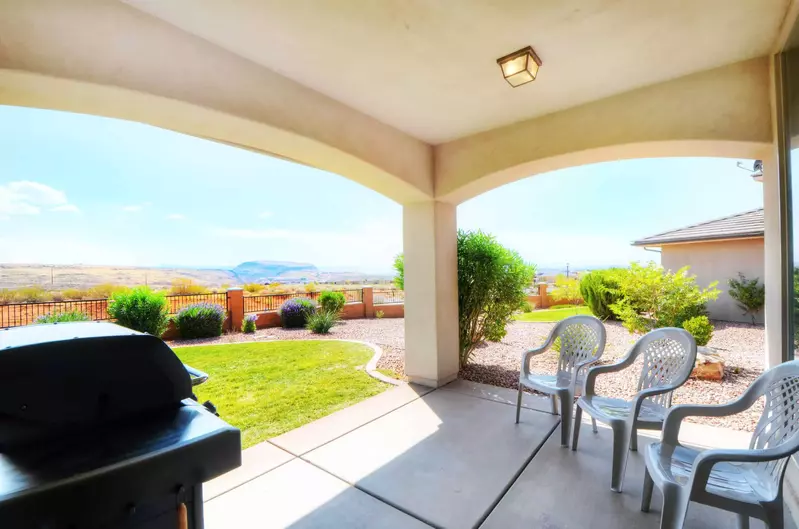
{"points": [[527, 355], [675, 416]]}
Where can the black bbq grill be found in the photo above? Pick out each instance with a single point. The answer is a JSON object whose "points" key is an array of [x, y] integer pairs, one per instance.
{"points": [[99, 429]]}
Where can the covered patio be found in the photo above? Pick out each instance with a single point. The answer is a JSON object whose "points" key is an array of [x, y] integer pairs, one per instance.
{"points": [[450, 457], [407, 99]]}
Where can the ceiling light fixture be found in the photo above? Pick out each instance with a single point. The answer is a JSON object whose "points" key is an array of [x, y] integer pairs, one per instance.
{"points": [[520, 67]]}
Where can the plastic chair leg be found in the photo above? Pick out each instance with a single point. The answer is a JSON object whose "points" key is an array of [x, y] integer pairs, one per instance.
{"points": [[578, 416], [646, 497], [519, 404], [621, 449]]}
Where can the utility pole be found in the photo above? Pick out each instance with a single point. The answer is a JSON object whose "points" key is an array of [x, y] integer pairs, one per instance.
{"points": [[567, 270], [52, 276]]}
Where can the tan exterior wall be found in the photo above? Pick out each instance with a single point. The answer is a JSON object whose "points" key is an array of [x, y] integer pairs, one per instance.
{"points": [[719, 261]]}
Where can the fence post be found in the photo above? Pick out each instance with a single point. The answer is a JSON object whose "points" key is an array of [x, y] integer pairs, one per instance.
{"points": [[235, 307], [542, 291], [368, 302]]}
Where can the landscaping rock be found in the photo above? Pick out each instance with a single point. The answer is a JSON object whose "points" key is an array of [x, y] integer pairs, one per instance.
{"points": [[709, 365]]}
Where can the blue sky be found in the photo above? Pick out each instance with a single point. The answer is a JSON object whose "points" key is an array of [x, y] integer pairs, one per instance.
{"points": [[83, 189]]}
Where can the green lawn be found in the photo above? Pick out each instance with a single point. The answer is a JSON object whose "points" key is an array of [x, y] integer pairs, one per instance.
{"points": [[551, 314], [268, 388]]}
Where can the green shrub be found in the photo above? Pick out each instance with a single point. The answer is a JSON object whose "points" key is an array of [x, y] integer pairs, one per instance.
{"points": [[60, 317], [295, 312], [248, 326], [321, 322], [333, 302], [651, 297], [141, 309], [750, 295], [528, 306], [491, 287], [399, 268], [200, 320], [700, 328], [32, 294], [379, 314], [567, 289], [600, 290]]}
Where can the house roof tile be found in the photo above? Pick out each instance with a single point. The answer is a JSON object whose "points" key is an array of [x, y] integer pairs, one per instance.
{"points": [[741, 225]]}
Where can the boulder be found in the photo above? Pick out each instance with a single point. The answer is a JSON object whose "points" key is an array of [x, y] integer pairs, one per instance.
{"points": [[709, 365]]}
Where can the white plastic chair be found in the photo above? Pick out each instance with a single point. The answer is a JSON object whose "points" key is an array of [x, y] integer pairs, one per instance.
{"points": [[669, 355], [747, 482], [582, 342]]}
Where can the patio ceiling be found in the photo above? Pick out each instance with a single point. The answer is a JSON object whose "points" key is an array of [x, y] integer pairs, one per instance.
{"points": [[428, 68]]}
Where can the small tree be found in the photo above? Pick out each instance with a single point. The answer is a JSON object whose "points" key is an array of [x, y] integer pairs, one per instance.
{"points": [[567, 289], [491, 287], [652, 297], [399, 267], [750, 295]]}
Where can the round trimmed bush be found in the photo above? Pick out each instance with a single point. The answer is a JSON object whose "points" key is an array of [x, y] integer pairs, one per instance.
{"points": [[332, 302], [140, 309], [248, 327], [59, 317], [295, 312], [700, 328], [200, 320]]}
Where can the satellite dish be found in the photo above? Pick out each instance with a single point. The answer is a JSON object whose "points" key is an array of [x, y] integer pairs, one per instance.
{"points": [[756, 172]]}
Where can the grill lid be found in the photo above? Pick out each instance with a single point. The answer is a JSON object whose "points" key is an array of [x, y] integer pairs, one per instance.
{"points": [[85, 374]]}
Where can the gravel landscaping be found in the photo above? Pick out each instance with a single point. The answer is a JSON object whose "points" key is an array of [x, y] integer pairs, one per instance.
{"points": [[741, 345]]}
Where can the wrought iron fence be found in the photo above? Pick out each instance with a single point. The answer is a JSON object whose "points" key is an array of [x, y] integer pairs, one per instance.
{"points": [[177, 302], [384, 296], [269, 302], [18, 314]]}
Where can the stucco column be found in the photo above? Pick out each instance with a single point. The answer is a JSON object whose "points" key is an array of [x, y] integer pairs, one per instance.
{"points": [[431, 292], [773, 280], [368, 302], [235, 307]]}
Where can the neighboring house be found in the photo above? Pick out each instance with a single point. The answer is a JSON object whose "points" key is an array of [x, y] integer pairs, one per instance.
{"points": [[716, 250]]}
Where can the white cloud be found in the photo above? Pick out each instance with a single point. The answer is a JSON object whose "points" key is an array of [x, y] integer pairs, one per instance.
{"points": [[265, 214], [28, 198], [176, 216], [66, 208], [133, 208]]}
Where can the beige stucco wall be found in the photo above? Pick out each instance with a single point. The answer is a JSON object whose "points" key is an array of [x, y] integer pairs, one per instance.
{"points": [[697, 115], [719, 261]]}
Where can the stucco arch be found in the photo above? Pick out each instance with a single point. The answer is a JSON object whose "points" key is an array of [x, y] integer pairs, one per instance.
{"points": [[725, 112], [40, 91], [112, 60]]}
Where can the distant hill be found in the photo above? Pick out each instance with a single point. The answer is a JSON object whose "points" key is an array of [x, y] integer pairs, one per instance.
{"points": [[259, 271], [60, 277]]}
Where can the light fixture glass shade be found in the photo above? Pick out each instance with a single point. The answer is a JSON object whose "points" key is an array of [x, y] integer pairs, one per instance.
{"points": [[520, 67]]}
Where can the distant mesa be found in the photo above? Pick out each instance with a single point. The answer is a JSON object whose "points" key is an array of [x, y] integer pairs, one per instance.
{"points": [[261, 271]]}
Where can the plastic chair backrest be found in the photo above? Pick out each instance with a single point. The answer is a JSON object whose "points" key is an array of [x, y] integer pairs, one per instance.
{"points": [[582, 338], [779, 422], [669, 355]]}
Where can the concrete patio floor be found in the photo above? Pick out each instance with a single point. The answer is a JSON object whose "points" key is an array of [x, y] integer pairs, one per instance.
{"points": [[413, 457]]}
